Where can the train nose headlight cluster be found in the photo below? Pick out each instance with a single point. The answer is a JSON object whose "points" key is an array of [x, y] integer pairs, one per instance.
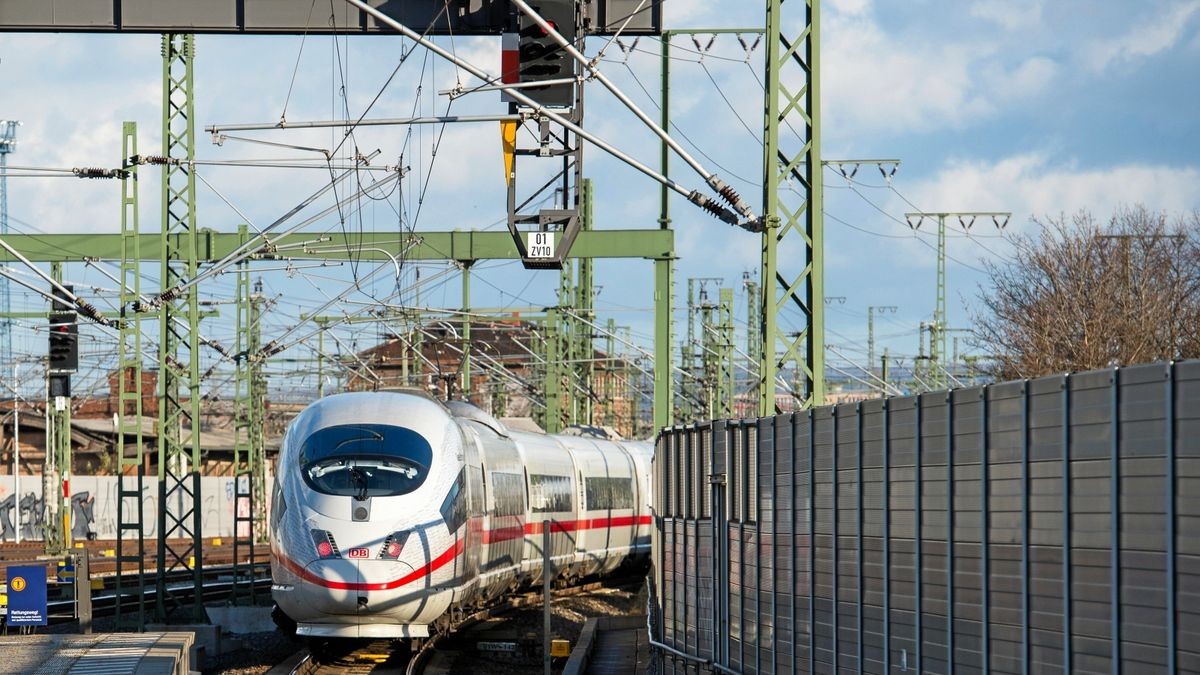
{"points": [[325, 545], [393, 545]]}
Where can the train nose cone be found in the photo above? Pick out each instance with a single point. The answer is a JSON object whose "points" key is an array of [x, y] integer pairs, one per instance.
{"points": [[393, 592], [337, 582]]}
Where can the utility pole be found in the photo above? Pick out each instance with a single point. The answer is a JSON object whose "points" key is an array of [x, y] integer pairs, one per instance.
{"points": [[885, 369], [871, 311], [937, 346], [791, 167], [8, 145]]}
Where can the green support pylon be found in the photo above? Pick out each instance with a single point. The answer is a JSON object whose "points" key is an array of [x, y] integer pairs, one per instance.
{"points": [[664, 270], [585, 367], [687, 360], [725, 375], [754, 344], [180, 542], [55, 488], [131, 465], [791, 167], [709, 367], [610, 383], [466, 330], [244, 495], [553, 382]]}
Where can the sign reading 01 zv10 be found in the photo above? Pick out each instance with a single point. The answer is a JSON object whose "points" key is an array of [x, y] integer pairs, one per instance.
{"points": [[27, 596]]}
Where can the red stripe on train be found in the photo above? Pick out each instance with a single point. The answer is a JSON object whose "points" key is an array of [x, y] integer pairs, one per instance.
{"points": [[435, 564], [535, 527], [489, 537]]}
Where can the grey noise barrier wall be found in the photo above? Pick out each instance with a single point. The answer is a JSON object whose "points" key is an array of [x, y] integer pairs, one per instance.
{"points": [[1044, 526]]}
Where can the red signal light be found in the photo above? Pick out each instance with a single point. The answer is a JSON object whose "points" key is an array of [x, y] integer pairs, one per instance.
{"points": [[393, 550], [324, 549]]}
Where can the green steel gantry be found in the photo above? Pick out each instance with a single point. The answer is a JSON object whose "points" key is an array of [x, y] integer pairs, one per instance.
{"points": [[792, 204], [180, 540]]}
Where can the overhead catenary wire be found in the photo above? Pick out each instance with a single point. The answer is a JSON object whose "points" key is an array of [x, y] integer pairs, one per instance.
{"points": [[694, 196], [719, 186], [243, 251]]}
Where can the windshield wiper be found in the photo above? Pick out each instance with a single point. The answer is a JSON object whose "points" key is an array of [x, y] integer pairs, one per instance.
{"points": [[359, 478]]}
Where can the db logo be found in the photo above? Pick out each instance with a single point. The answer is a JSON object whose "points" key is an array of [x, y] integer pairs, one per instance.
{"points": [[18, 584], [359, 553]]}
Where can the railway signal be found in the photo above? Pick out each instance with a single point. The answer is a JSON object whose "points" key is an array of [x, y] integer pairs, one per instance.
{"points": [[540, 59], [64, 334]]}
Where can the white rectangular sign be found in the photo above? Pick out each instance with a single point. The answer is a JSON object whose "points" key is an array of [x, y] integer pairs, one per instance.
{"points": [[539, 244]]}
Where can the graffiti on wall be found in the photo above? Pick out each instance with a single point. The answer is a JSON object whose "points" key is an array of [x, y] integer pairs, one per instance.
{"points": [[93, 507], [28, 514]]}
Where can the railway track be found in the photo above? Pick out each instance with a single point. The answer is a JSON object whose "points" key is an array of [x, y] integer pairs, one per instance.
{"points": [[30, 553], [388, 657], [379, 657], [217, 586]]}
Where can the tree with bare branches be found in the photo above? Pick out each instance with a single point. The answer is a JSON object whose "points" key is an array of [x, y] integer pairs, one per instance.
{"points": [[1084, 295]]}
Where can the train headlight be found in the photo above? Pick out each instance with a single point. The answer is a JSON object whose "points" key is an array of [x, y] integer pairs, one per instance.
{"points": [[393, 545], [325, 545]]}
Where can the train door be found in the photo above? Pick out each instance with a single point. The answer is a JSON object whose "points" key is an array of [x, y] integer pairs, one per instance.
{"points": [[473, 472]]}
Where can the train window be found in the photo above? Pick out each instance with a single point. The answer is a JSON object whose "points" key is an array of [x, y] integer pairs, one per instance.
{"points": [[605, 494], [365, 460], [508, 491], [549, 494], [454, 506]]}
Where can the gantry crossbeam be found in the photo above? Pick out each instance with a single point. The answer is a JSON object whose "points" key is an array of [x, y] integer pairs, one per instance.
{"points": [[368, 246], [283, 17]]}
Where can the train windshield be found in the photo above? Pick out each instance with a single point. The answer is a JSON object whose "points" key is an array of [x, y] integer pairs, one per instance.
{"points": [[365, 460]]}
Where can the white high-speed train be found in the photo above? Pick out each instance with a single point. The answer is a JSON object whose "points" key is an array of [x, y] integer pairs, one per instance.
{"points": [[392, 512]]}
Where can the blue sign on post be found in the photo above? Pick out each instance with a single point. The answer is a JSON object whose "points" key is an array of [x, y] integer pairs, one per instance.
{"points": [[27, 596]]}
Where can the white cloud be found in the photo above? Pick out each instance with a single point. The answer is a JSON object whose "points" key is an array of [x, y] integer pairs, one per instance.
{"points": [[1032, 185], [1010, 14], [1151, 37], [891, 83]]}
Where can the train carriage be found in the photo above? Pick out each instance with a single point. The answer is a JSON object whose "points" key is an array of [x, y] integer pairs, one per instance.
{"points": [[392, 509]]}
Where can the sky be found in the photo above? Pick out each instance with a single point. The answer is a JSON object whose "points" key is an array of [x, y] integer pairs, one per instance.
{"points": [[1034, 107]]}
